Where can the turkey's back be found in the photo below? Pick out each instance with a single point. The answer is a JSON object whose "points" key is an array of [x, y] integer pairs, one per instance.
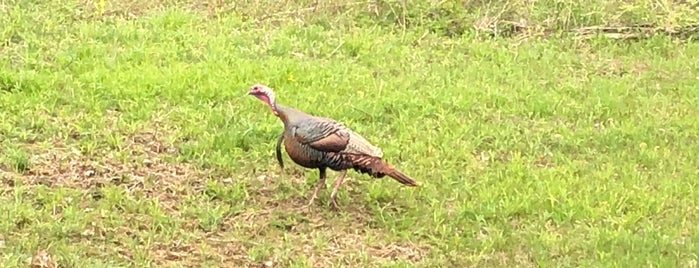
{"points": [[315, 142]]}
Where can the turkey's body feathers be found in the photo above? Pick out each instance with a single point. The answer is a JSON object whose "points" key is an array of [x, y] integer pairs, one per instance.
{"points": [[320, 142]]}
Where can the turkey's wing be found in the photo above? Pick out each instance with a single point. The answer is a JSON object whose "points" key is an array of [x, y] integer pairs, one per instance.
{"points": [[322, 134]]}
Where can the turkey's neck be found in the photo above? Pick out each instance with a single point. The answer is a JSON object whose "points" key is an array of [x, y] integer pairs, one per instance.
{"points": [[289, 116], [270, 101], [273, 106], [281, 112]]}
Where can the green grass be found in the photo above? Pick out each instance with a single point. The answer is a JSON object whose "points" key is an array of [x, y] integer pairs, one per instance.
{"points": [[126, 138]]}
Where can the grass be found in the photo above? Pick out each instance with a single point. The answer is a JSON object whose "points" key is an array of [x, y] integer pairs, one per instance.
{"points": [[126, 138]]}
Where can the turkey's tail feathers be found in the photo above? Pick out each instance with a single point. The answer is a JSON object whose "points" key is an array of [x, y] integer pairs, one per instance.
{"points": [[378, 168]]}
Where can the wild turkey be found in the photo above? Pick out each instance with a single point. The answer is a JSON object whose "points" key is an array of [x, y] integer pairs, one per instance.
{"points": [[321, 143]]}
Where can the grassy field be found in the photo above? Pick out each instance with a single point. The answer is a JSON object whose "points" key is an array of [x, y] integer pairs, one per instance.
{"points": [[126, 138]]}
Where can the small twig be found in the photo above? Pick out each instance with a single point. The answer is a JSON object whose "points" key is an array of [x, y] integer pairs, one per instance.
{"points": [[336, 49], [417, 41], [633, 32], [365, 112], [229, 241]]}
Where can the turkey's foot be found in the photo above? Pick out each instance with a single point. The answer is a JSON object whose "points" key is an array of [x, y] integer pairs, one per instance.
{"points": [[333, 194], [319, 184]]}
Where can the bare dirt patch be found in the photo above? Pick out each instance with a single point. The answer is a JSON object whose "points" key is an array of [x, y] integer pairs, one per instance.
{"points": [[42, 260], [139, 166], [269, 227], [323, 243], [273, 229], [65, 166]]}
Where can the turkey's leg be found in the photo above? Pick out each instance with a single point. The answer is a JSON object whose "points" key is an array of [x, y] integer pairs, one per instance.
{"points": [[333, 194], [319, 184]]}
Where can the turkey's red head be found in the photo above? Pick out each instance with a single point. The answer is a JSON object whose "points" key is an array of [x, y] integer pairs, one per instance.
{"points": [[265, 94]]}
